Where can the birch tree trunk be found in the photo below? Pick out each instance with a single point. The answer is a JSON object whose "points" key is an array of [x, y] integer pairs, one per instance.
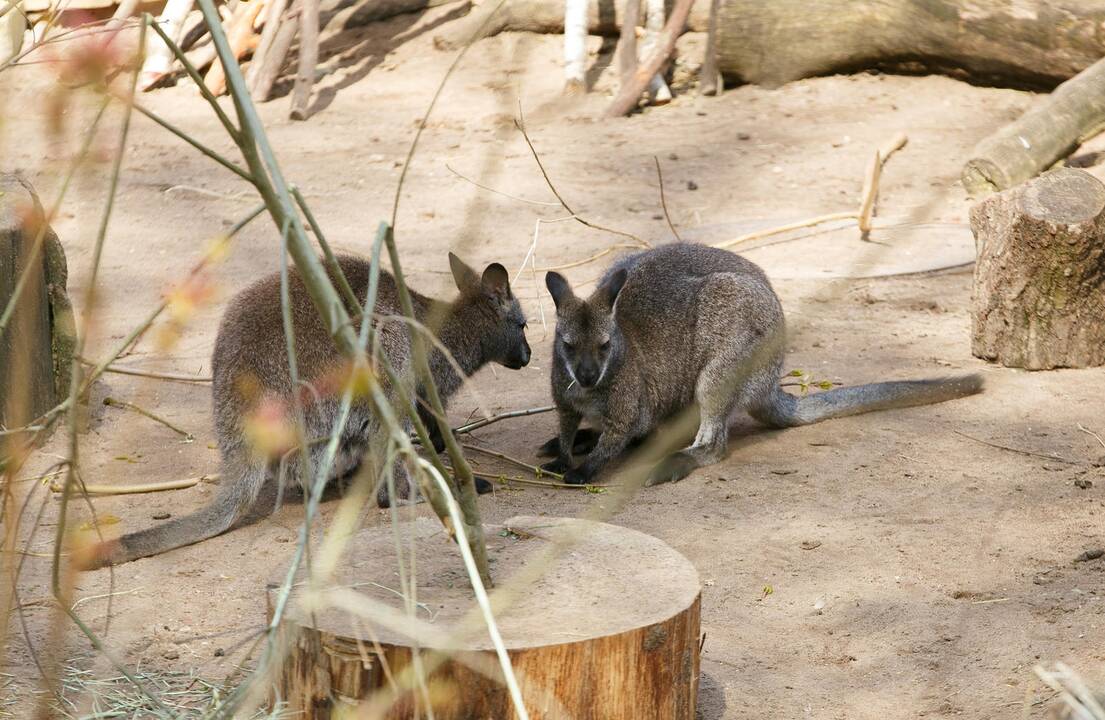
{"points": [[658, 91], [159, 58], [575, 46]]}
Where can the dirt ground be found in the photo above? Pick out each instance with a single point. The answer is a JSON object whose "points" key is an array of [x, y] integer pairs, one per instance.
{"points": [[941, 568]]}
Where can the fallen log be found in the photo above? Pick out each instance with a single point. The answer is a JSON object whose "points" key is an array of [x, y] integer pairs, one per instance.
{"points": [[1031, 43], [1024, 44], [545, 16], [1039, 289], [1048, 132]]}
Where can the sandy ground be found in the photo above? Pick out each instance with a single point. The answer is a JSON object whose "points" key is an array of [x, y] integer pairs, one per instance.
{"points": [[943, 568]]}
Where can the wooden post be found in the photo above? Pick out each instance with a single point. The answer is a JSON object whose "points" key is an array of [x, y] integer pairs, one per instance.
{"points": [[269, 71], [1039, 299], [608, 631], [36, 349], [308, 60]]}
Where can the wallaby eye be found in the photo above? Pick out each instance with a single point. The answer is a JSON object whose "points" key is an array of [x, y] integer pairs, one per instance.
{"points": [[568, 345], [604, 345]]}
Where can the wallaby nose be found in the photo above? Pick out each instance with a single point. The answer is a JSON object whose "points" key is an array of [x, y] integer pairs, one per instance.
{"points": [[587, 375]]}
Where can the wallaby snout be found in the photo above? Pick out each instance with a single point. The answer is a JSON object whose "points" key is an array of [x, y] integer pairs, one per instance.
{"points": [[519, 358]]}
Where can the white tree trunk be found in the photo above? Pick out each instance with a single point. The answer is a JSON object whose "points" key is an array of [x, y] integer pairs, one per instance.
{"points": [[658, 91], [159, 58], [575, 46]]}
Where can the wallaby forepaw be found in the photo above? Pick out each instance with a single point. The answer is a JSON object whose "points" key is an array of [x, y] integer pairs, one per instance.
{"points": [[556, 465], [672, 469], [576, 477], [585, 441]]}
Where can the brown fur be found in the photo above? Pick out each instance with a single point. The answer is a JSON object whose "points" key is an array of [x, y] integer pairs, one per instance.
{"points": [[679, 326], [250, 366]]}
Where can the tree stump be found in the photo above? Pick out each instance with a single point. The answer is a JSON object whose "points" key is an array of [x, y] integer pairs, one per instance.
{"points": [[609, 630], [36, 348], [1039, 292]]}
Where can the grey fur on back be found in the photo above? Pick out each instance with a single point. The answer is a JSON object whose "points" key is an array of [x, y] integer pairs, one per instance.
{"points": [[250, 367], [687, 324]]}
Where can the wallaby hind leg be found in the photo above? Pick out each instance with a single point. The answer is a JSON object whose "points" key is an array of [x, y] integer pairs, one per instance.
{"points": [[732, 379]]}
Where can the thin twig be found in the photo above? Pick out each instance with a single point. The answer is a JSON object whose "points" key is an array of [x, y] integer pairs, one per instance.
{"points": [[1017, 450], [507, 479], [591, 258], [663, 200], [474, 575], [520, 123], [1091, 432], [142, 488], [150, 374], [500, 192], [477, 424], [757, 234], [112, 402], [515, 461]]}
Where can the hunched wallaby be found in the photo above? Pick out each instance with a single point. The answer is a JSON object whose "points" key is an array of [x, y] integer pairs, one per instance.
{"points": [[250, 367], [686, 324]]}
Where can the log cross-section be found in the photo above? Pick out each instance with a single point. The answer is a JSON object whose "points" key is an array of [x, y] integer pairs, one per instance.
{"points": [[1039, 290], [609, 630]]}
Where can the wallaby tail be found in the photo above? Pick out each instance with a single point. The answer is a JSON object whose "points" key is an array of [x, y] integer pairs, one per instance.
{"points": [[785, 410], [230, 506]]}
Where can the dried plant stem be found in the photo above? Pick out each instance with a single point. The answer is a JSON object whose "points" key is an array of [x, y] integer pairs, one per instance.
{"points": [[500, 192], [520, 123], [870, 192], [466, 483], [591, 258], [245, 175], [475, 575], [1007, 448], [60, 585], [484, 422], [112, 402], [756, 235], [331, 260], [533, 481], [92, 489], [663, 200], [1091, 432], [514, 461], [174, 377]]}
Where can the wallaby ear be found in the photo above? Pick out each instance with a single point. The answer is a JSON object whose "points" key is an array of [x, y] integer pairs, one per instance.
{"points": [[613, 286], [558, 287], [496, 281], [464, 276]]}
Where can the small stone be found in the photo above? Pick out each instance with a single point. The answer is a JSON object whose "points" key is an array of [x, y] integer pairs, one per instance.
{"points": [[692, 185], [162, 516], [170, 653], [219, 652], [1083, 484], [743, 136]]}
